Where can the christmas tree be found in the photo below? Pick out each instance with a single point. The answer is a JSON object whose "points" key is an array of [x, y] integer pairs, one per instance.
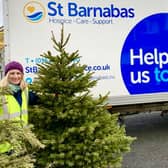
{"points": [[75, 127]]}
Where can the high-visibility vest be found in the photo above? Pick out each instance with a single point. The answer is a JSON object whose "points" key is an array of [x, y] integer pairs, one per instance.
{"points": [[11, 110]]}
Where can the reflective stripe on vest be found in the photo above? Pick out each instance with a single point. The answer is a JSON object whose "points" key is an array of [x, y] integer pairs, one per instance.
{"points": [[7, 115], [12, 109]]}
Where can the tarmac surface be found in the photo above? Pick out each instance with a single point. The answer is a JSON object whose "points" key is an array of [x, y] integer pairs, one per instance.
{"points": [[150, 150]]}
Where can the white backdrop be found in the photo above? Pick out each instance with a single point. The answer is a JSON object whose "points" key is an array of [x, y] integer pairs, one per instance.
{"points": [[1, 20], [98, 44]]}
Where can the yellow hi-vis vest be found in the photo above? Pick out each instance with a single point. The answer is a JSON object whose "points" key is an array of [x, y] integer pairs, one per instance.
{"points": [[11, 110]]}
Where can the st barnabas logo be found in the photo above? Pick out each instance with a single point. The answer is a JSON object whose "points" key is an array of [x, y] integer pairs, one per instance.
{"points": [[34, 12]]}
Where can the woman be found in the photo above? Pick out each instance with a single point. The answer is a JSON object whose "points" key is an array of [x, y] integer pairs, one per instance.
{"points": [[15, 103]]}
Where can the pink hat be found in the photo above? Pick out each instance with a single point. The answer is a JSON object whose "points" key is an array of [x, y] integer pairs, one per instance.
{"points": [[13, 65]]}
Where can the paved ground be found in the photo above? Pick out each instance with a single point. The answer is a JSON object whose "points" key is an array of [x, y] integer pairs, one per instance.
{"points": [[150, 150]]}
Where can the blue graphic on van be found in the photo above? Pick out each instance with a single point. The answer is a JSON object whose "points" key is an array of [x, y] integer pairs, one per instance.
{"points": [[29, 80], [34, 12], [35, 16], [144, 56]]}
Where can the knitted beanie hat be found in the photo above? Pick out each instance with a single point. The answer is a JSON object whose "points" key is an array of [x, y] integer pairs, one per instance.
{"points": [[13, 65]]}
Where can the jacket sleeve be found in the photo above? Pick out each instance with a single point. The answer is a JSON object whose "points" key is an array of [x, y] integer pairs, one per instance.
{"points": [[33, 98]]}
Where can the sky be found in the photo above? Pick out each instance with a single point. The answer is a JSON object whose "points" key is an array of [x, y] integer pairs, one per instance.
{"points": [[1, 23]]}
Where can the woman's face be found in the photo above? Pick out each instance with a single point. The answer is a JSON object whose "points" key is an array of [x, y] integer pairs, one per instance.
{"points": [[15, 77]]}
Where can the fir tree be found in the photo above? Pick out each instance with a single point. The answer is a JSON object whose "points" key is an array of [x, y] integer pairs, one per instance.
{"points": [[75, 127]]}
